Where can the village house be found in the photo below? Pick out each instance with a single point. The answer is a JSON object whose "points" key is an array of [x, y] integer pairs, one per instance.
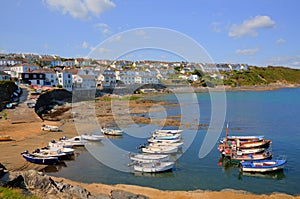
{"points": [[111, 76], [17, 70], [65, 79], [4, 76], [33, 78]]}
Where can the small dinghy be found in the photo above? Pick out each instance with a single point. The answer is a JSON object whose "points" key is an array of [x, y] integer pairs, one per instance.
{"points": [[262, 166], [153, 167]]}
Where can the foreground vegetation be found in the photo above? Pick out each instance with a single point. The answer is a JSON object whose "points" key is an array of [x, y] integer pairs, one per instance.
{"points": [[7, 193]]}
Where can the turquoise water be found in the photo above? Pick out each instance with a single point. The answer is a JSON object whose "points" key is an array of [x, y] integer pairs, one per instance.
{"points": [[275, 114]]}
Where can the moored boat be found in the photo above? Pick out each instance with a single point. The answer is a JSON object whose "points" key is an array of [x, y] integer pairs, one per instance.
{"points": [[262, 166], [259, 156], [115, 132], [153, 167], [75, 141], [162, 149], [147, 158], [92, 137]]}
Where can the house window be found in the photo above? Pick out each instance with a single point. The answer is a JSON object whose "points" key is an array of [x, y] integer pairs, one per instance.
{"points": [[34, 76], [69, 76], [26, 76], [41, 76]]}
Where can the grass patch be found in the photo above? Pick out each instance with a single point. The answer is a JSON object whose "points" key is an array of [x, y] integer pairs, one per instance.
{"points": [[7, 193]]}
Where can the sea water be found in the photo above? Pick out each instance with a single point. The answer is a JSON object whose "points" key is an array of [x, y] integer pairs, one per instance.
{"points": [[274, 114]]}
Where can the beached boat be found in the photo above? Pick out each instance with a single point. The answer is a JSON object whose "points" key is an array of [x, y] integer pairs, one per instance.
{"points": [[75, 141], [153, 167], [115, 132], [5, 138], [9, 105], [59, 144], [39, 160], [92, 137], [162, 149], [49, 153], [262, 166], [49, 128]]}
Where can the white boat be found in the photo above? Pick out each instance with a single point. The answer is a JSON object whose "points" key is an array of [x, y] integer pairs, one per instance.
{"points": [[49, 153], [75, 141], [166, 133], [147, 158], [59, 144], [162, 149], [49, 128], [153, 167], [115, 132], [167, 136], [249, 151], [160, 144], [92, 137], [165, 141]]}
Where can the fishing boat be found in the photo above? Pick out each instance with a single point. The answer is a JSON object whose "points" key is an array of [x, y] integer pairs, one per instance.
{"points": [[49, 128], [75, 141], [242, 138], [162, 149], [250, 157], [39, 160], [49, 153], [147, 158], [153, 167], [59, 144], [114, 132], [250, 151], [166, 133], [262, 166], [92, 137], [5, 138], [254, 144]]}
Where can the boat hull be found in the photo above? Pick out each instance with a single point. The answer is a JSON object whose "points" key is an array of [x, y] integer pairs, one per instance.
{"points": [[154, 168], [41, 160], [263, 166]]}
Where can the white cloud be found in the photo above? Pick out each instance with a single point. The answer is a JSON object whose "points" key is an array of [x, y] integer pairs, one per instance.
{"points": [[103, 50], [249, 51], [280, 41], [115, 39], [249, 27], [100, 25], [215, 26], [3, 51], [82, 9], [85, 45], [105, 29], [290, 61]]}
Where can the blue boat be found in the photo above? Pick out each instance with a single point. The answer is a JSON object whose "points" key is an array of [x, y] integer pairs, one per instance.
{"points": [[262, 166], [40, 160]]}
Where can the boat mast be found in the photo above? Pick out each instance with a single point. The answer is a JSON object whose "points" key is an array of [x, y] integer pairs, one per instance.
{"points": [[226, 139]]}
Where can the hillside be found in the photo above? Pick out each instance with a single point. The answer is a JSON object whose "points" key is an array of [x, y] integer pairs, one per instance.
{"points": [[262, 76]]}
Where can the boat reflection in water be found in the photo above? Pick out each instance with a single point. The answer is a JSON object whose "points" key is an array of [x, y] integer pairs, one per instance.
{"points": [[278, 175], [54, 168], [166, 174]]}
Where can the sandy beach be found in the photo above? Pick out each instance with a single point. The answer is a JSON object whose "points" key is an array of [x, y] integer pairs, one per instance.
{"points": [[24, 127]]}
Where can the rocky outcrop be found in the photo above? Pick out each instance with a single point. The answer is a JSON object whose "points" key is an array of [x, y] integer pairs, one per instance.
{"points": [[50, 99], [7, 88], [43, 186]]}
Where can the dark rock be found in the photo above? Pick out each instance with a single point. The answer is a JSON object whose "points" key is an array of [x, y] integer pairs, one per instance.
{"points": [[119, 194]]}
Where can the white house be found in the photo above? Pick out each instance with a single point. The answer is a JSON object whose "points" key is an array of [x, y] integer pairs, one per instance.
{"points": [[22, 68], [65, 79], [10, 62], [84, 81], [194, 78], [110, 77]]}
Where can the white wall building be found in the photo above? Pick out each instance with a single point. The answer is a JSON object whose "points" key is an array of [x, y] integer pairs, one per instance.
{"points": [[23, 68], [65, 79]]}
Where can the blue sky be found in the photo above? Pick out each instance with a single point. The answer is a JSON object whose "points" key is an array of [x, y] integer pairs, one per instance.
{"points": [[257, 32]]}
